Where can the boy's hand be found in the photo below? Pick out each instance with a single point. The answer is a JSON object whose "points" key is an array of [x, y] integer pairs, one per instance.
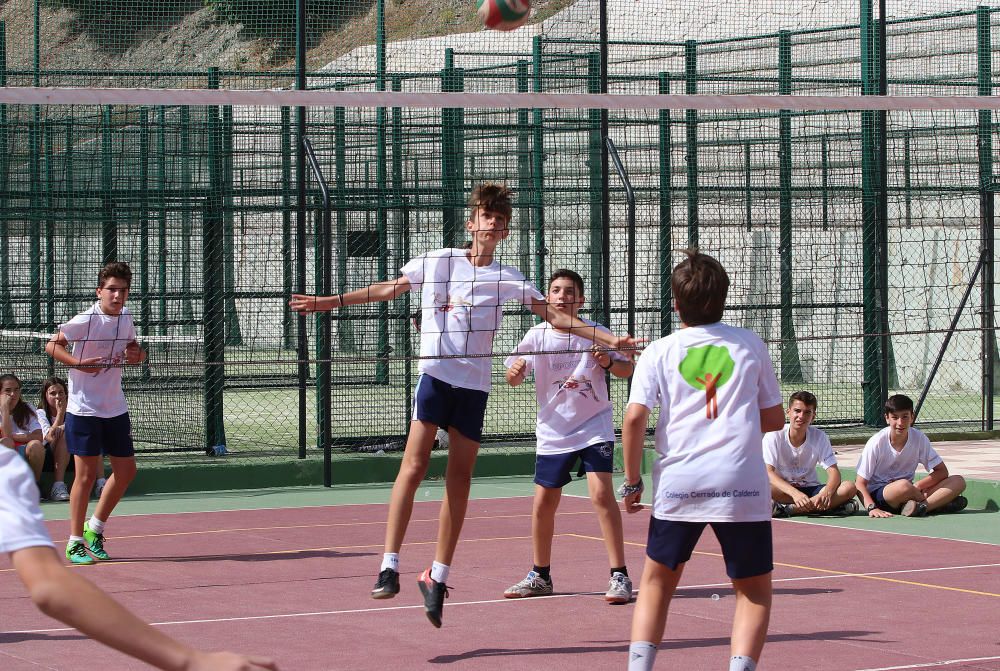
{"points": [[90, 364], [631, 503], [134, 353], [628, 345], [516, 372], [602, 356], [878, 512], [305, 304], [802, 502], [822, 500], [228, 661]]}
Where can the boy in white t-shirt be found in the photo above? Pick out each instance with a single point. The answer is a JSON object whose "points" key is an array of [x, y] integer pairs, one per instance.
{"points": [[791, 456], [67, 597], [574, 423], [889, 462], [103, 339], [717, 392], [462, 295]]}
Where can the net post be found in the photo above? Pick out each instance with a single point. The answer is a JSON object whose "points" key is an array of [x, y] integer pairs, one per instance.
{"points": [[161, 186], [109, 226], [381, 211], [598, 222], [6, 307], [538, 163], [524, 186], [302, 344], [345, 327], [145, 314], [187, 205], [691, 126], [234, 335], [605, 177], [666, 212], [50, 252], [35, 233], [287, 256], [984, 51], [452, 154], [791, 367]]}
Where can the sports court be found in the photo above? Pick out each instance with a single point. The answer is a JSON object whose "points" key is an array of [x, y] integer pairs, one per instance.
{"points": [[287, 572]]}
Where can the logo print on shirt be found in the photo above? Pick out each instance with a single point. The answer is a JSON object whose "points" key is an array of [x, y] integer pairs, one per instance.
{"points": [[708, 368], [581, 385], [449, 303]]}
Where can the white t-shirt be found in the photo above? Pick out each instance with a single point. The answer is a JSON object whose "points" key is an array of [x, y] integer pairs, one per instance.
{"points": [[574, 410], [709, 466], [880, 463], [32, 423], [462, 307], [95, 334], [21, 522], [797, 465]]}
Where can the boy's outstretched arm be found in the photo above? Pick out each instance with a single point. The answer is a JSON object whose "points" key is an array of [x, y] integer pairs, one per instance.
{"points": [[69, 598], [375, 293], [633, 438], [56, 348], [579, 327]]}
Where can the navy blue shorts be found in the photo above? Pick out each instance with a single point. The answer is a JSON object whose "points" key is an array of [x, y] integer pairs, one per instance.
{"points": [[880, 500], [747, 547], [555, 470], [94, 436], [447, 406], [809, 490]]}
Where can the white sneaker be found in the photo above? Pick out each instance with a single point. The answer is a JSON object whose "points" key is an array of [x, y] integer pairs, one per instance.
{"points": [[59, 492], [532, 585], [619, 589], [99, 487]]}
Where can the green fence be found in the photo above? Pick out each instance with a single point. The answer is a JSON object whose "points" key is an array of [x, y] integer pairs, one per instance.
{"points": [[851, 237]]}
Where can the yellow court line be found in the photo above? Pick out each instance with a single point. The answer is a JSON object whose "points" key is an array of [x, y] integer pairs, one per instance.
{"points": [[844, 574]]}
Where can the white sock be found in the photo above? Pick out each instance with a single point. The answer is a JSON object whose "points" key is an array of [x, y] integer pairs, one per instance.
{"points": [[742, 663], [74, 539], [439, 572], [641, 655], [96, 525], [390, 560]]}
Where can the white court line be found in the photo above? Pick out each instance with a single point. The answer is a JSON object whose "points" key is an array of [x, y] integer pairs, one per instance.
{"points": [[883, 531], [928, 665], [385, 609]]}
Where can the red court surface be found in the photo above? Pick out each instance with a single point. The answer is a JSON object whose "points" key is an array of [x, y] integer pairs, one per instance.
{"points": [[293, 583]]}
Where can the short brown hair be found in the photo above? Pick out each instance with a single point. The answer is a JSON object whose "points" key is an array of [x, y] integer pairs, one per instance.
{"points": [[898, 403], [565, 273], [699, 284], [806, 397], [493, 197], [116, 270]]}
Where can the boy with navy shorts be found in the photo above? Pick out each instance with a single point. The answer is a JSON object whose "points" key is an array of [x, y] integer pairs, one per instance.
{"points": [[103, 339], [889, 462], [574, 424], [71, 599], [462, 296], [791, 456], [717, 393]]}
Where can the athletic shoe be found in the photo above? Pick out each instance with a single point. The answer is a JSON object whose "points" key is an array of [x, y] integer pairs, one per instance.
{"points": [[77, 553], [849, 507], [59, 492], [781, 509], [957, 504], [95, 543], [914, 509], [619, 589], [532, 585], [99, 487], [387, 585], [434, 595]]}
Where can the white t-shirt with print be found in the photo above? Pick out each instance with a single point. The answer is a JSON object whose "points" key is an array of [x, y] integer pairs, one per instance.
{"points": [[710, 382], [880, 463], [21, 522], [461, 310], [95, 334], [797, 465], [574, 410]]}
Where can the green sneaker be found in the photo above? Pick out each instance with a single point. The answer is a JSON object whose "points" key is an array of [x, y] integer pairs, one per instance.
{"points": [[95, 543], [77, 553]]}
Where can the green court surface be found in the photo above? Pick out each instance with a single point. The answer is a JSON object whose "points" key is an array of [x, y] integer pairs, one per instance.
{"points": [[979, 523]]}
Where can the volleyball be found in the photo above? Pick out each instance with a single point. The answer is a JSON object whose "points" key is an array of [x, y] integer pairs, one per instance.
{"points": [[503, 14]]}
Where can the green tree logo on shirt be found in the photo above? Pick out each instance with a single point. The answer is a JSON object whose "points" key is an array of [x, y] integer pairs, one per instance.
{"points": [[708, 368]]}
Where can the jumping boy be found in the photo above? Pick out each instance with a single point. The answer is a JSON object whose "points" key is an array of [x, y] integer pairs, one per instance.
{"points": [[791, 455], [889, 462], [462, 295], [574, 423], [103, 338], [717, 392], [65, 596]]}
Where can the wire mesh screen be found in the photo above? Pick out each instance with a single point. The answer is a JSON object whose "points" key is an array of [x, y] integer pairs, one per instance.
{"points": [[853, 237]]}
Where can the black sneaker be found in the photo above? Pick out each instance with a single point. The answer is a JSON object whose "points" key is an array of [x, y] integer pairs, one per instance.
{"points": [[914, 509], [387, 585], [434, 595], [957, 504], [781, 509]]}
